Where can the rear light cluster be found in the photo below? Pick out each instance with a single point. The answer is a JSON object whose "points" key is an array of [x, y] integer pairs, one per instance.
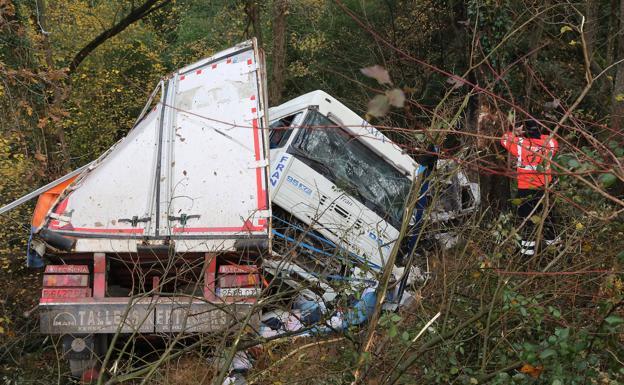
{"points": [[66, 281], [238, 282]]}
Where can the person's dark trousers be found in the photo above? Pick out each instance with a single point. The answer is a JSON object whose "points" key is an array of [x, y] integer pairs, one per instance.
{"points": [[531, 205]]}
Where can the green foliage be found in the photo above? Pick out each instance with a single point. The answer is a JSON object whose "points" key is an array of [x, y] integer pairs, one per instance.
{"points": [[555, 340]]}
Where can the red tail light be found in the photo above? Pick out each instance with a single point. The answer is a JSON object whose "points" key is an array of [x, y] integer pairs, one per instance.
{"points": [[66, 281]]}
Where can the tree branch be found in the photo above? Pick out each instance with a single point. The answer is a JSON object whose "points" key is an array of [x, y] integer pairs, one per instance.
{"points": [[135, 15]]}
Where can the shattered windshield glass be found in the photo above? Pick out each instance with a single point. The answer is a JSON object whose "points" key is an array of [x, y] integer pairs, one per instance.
{"points": [[353, 167]]}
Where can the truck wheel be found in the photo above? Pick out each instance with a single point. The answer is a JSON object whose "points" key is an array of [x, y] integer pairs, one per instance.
{"points": [[84, 354]]}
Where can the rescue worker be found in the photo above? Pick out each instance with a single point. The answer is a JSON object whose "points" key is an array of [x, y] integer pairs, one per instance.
{"points": [[533, 152]]}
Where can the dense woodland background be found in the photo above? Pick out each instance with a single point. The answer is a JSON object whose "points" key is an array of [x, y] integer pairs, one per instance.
{"points": [[74, 75]]}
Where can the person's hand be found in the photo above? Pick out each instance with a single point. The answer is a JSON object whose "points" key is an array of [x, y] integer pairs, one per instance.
{"points": [[519, 131]]}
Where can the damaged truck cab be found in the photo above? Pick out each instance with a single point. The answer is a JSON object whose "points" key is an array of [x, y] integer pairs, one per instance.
{"points": [[339, 188], [339, 181]]}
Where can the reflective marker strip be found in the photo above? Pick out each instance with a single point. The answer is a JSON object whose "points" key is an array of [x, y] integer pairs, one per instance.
{"points": [[239, 280], [237, 269], [65, 280], [82, 292], [67, 269]]}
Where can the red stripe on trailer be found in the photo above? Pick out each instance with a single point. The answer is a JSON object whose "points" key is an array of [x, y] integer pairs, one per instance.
{"points": [[99, 275], [59, 209], [67, 269], [249, 61], [66, 280], [214, 66], [210, 277], [256, 134], [253, 110], [198, 72], [253, 97], [182, 77], [55, 225], [61, 206], [216, 229], [259, 189], [156, 283], [262, 222], [73, 292], [111, 231]]}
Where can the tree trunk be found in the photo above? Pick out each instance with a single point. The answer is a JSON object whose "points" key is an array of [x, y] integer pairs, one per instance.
{"points": [[617, 106], [276, 87], [61, 165], [253, 29], [592, 26]]}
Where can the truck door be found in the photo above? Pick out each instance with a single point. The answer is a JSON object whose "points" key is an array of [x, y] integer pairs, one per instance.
{"points": [[213, 179]]}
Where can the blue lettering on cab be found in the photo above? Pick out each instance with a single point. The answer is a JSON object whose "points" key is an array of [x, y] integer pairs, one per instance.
{"points": [[379, 240], [279, 169], [299, 185]]}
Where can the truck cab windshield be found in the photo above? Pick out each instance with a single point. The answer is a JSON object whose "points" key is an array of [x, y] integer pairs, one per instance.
{"points": [[352, 166]]}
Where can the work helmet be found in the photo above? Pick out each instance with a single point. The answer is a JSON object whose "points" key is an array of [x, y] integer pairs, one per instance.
{"points": [[532, 129]]}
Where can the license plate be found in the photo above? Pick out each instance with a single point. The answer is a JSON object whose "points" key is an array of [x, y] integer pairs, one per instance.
{"points": [[238, 292]]}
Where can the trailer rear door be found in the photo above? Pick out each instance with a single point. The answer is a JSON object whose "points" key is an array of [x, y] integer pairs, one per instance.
{"points": [[194, 168], [216, 181]]}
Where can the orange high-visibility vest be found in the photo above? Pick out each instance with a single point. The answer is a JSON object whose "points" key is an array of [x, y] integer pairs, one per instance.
{"points": [[533, 158]]}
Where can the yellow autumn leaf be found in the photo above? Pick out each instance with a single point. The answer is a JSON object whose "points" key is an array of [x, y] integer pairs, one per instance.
{"points": [[579, 226], [619, 97]]}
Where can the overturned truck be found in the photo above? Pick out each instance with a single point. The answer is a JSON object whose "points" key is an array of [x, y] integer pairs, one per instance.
{"points": [[213, 201]]}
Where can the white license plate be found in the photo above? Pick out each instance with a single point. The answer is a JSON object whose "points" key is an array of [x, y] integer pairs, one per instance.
{"points": [[238, 291]]}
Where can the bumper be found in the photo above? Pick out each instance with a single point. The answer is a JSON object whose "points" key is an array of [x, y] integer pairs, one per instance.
{"points": [[150, 315]]}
